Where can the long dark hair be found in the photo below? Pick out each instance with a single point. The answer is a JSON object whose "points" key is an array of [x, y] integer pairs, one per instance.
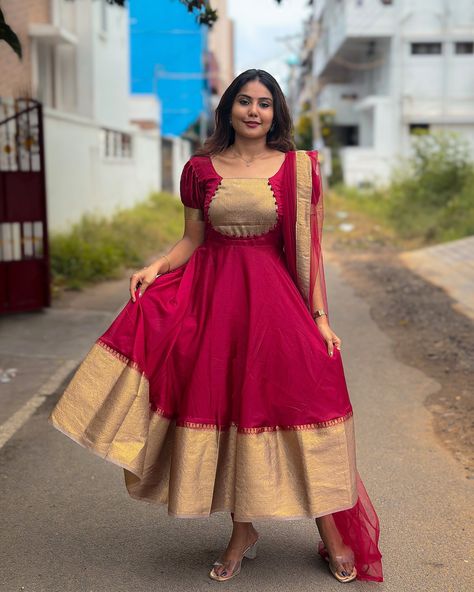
{"points": [[280, 136]]}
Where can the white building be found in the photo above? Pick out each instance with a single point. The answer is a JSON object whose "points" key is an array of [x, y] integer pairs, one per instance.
{"points": [[388, 66], [76, 62]]}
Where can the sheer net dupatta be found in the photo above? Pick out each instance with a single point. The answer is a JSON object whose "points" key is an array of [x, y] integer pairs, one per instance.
{"points": [[302, 232]]}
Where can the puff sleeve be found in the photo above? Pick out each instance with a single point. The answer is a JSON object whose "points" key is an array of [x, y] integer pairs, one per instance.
{"points": [[191, 192]]}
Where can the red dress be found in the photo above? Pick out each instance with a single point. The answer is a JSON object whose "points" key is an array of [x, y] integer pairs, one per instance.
{"points": [[214, 390]]}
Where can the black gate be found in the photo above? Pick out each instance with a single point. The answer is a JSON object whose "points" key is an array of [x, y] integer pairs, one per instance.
{"points": [[24, 256]]}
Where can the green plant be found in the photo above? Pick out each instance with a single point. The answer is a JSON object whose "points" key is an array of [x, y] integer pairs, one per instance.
{"points": [[304, 132], [430, 197], [98, 248], [426, 189]]}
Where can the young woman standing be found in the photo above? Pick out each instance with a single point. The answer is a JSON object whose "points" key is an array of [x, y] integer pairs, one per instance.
{"points": [[220, 385]]}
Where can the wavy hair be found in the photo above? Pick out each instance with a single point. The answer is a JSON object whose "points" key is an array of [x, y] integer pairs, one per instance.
{"points": [[281, 136]]}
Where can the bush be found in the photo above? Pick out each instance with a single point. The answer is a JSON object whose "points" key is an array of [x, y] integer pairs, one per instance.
{"points": [[429, 191], [430, 197], [99, 248]]}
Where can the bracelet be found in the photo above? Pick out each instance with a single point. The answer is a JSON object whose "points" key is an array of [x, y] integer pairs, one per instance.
{"points": [[169, 264], [319, 313]]}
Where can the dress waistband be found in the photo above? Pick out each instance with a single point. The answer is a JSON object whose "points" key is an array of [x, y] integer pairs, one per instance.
{"points": [[270, 239]]}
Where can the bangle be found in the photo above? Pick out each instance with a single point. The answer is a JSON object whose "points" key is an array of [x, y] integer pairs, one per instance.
{"points": [[169, 264], [319, 313]]}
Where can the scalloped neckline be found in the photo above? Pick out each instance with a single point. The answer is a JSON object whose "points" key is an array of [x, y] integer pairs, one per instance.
{"points": [[248, 178]]}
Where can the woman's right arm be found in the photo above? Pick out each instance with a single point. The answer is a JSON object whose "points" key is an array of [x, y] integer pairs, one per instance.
{"points": [[192, 197], [193, 236], [180, 252]]}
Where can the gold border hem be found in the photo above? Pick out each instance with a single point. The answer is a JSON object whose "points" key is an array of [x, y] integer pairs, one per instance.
{"points": [[91, 446], [258, 430], [197, 472], [243, 518]]}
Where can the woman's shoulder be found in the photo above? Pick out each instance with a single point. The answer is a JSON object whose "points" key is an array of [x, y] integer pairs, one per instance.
{"points": [[313, 155], [304, 151], [201, 165]]}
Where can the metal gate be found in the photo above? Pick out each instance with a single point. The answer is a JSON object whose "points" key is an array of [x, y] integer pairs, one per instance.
{"points": [[24, 256]]}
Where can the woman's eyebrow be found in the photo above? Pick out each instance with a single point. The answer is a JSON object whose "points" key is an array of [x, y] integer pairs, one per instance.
{"points": [[260, 98]]}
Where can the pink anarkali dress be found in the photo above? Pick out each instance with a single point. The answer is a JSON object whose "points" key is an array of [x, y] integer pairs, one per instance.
{"points": [[214, 391]]}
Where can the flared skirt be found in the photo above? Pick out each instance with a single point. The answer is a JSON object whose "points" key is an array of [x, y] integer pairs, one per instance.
{"points": [[215, 391]]}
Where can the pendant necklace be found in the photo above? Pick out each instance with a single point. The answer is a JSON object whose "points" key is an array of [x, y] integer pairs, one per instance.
{"points": [[247, 162]]}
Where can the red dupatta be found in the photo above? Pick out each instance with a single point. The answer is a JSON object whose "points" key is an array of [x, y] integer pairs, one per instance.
{"points": [[302, 233]]}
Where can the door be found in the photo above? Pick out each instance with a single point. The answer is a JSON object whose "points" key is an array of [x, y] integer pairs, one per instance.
{"points": [[24, 255]]}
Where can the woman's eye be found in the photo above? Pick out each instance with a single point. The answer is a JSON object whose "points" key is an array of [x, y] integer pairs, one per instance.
{"points": [[245, 102]]}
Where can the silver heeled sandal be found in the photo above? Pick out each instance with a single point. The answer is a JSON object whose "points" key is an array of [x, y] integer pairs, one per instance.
{"points": [[250, 553]]}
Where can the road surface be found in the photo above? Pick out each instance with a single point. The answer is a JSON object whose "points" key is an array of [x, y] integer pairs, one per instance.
{"points": [[69, 525]]}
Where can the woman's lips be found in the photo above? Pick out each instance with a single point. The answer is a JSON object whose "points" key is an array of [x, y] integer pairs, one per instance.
{"points": [[251, 123]]}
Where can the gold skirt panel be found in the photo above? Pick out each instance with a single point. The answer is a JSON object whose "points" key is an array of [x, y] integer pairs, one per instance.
{"points": [[280, 473]]}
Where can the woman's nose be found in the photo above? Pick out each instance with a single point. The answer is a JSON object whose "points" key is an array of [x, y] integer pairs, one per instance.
{"points": [[253, 109]]}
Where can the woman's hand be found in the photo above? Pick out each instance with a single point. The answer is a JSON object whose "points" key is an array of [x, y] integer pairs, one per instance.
{"points": [[142, 278], [331, 339]]}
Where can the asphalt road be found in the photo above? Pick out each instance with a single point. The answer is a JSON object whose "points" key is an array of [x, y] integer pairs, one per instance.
{"points": [[68, 524]]}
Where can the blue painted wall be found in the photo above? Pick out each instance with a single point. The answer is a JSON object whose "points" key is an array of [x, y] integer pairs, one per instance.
{"points": [[165, 38]]}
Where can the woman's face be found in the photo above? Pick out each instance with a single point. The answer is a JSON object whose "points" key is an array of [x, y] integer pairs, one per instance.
{"points": [[252, 111]]}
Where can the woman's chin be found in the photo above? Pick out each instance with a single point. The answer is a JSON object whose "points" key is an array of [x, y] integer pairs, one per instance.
{"points": [[251, 133]]}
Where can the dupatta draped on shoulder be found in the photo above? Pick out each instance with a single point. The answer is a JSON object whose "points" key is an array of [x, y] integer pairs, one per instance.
{"points": [[302, 233], [303, 224]]}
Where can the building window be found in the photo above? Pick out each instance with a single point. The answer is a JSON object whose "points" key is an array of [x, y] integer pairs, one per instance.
{"points": [[426, 48], [116, 144], [103, 16], [464, 47], [345, 135], [47, 74], [419, 128]]}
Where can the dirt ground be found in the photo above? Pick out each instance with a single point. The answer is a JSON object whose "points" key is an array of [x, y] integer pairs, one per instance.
{"points": [[426, 330]]}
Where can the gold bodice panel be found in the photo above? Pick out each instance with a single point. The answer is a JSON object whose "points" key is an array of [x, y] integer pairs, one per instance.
{"points": [[243, 207]]}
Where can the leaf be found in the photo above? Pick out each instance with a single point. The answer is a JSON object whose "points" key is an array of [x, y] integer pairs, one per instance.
{"points": [[9, 36], [205, 15]]}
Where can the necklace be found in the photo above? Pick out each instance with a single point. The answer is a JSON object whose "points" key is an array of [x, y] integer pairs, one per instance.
{"points": [[247, 162]]}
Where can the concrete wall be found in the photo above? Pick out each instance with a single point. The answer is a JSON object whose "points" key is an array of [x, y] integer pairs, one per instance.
{"points": [[168, 55], [362, 165], [80, 179], [110, 75]]}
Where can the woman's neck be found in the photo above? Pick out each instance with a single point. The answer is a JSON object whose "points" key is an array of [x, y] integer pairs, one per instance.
{"points": [[249, 147]]}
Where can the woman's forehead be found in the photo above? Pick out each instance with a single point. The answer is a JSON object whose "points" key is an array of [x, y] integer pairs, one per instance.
{"points": [[256, 90]]}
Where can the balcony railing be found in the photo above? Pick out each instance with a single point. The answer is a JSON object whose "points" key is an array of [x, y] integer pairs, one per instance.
{"points": [[350, 20]]}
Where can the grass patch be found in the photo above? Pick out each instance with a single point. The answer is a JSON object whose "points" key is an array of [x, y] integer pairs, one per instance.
{"points": [[365, 211], [98, 248], [429, 199]]}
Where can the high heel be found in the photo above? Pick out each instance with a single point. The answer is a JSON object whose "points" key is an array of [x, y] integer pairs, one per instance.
{"points": [[250, 553], [335, 564]]}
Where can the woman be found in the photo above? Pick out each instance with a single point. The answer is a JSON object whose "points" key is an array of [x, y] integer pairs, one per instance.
{"points": [[220, 385]]}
